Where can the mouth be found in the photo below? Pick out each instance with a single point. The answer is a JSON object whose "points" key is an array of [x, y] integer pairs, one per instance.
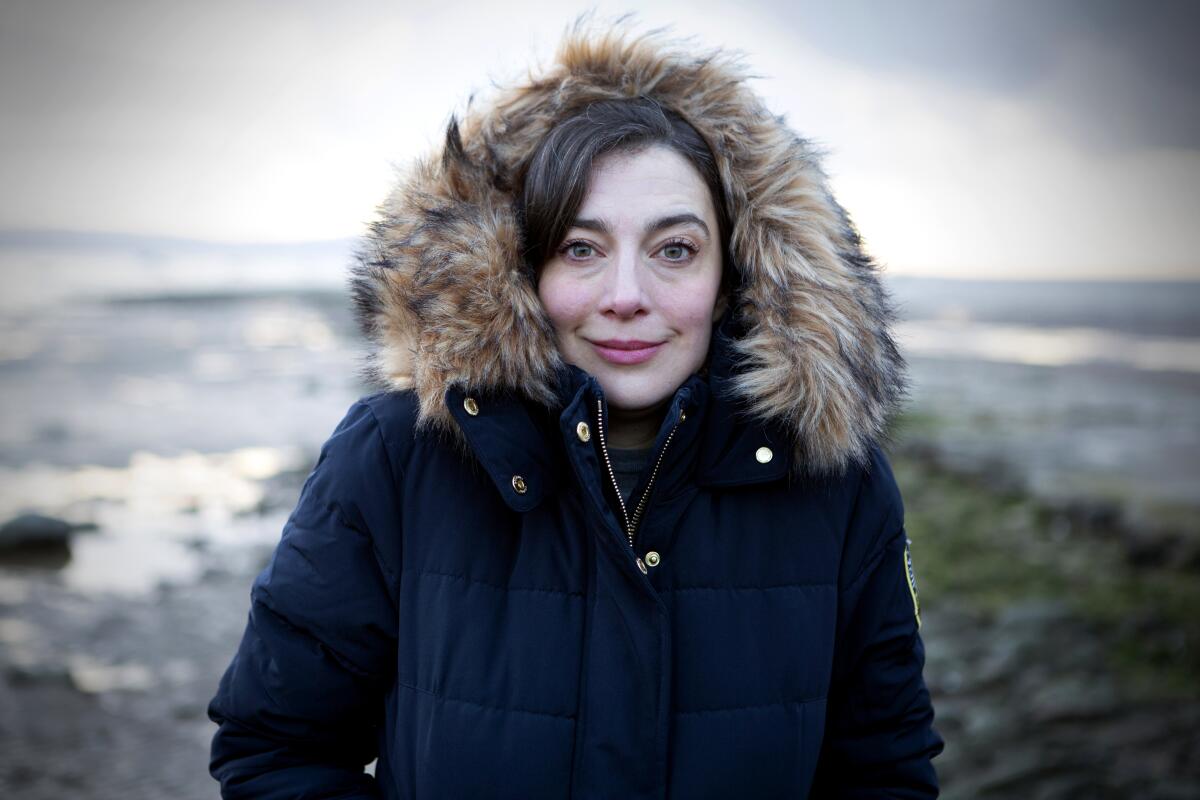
{"points": [[626, 351]]}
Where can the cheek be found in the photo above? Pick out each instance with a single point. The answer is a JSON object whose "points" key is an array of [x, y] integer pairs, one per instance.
{"points": [[690, 307], [566, 300]]}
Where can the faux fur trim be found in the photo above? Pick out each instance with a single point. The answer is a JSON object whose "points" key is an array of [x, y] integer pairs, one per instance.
{"points": [[441, 290]]}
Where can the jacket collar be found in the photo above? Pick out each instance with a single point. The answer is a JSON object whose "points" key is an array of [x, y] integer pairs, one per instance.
{"points": [[722, 446], [739, 447]]}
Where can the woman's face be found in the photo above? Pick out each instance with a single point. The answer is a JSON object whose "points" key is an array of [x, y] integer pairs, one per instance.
{"points": [[632, 289]]}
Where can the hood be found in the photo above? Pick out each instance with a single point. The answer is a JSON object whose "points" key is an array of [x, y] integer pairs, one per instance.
{"points": [[442, 293]]}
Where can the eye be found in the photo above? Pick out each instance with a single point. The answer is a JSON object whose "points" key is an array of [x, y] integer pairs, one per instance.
{"points": [[577, 250], [678, 250]]}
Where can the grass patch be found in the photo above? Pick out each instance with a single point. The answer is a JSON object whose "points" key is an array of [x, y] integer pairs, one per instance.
{"points": [[989, 548]]}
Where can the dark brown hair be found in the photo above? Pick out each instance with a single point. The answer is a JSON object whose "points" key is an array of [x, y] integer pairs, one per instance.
{"points": [[556, 179]]}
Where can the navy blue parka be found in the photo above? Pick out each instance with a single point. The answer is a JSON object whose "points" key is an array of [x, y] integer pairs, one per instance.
{"points": [[455, 593]]}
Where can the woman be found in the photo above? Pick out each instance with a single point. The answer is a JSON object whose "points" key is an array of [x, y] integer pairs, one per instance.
{"points": [[619, 524]]}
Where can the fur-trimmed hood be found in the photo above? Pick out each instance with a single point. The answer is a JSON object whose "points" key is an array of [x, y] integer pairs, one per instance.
{"points": [[442, 292]]}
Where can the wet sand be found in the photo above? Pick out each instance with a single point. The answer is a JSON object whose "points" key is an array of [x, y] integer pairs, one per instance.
{"points": [[1036, 694], [1055, 524]]}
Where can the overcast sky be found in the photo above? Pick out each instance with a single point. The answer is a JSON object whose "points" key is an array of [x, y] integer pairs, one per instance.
{"points": [[987, 139]]}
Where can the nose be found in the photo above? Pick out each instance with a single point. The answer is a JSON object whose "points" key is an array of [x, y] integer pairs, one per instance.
{"points": [[626, 291]]}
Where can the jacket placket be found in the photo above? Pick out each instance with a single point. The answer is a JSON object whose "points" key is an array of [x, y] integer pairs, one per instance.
{"points": [[617, 740]]}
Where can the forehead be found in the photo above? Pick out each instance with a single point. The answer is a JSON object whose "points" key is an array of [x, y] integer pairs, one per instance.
{"points": [[652, 180]]}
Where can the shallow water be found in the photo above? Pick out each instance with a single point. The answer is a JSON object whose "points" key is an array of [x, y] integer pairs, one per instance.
{"points": [[162, 416], [182, 424]]}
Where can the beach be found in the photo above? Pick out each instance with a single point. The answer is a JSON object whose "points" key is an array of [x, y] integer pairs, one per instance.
{"points": [[1046, 455]]}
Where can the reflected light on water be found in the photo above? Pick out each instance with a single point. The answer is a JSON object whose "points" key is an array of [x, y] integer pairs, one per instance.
{"points": [[155, 515], [289, 327], [94, 676], [17, 344], [214, 366], [1045, 346], [15, 631], [152, 484], [129, 562]]}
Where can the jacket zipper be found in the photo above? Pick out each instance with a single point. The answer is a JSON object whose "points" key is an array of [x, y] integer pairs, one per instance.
{"points": [[630, 523]]}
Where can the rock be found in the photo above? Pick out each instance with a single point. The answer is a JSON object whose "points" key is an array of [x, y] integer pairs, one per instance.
{"points": [[1012, 773], [32, 529], [1067, 786], [26, 529], [35, 540], [1145, 548], [31, 674], [1189, 555], [1189, 790], [1075, 699], [1034, 619]]}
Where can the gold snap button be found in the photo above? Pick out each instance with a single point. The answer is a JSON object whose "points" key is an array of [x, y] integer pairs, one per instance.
{"points": [[519, 485], [471, 406], [583, 432], [764, 454], [653, 559], [682, 415], [642, 566]]}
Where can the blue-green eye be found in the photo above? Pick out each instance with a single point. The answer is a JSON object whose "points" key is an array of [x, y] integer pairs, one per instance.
{"points": [[576, 250], [678, 250]]}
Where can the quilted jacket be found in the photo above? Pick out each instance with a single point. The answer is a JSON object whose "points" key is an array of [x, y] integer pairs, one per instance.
{"points": [[455, 596]]}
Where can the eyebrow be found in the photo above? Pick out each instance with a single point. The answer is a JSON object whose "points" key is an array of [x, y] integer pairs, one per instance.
{"points": [[600, 226]]}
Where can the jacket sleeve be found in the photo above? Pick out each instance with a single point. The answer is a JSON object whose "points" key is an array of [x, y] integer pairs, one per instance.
{"points": [[300, 706], [879, 736]]}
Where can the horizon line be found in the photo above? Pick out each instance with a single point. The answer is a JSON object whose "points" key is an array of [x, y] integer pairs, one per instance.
{"points": [[65, 237]]}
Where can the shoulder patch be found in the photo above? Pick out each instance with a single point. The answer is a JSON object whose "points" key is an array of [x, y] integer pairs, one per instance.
{"points": [[911, 578]]}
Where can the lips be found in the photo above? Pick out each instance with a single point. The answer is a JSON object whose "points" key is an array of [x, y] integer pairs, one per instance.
{"points": [[627, 351]]}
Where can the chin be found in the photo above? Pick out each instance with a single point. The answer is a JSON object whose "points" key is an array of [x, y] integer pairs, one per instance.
{"points": [[637, 398]]}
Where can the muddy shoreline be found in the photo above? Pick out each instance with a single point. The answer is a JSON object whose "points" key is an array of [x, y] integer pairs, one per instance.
{"points": [[1061, 664]]}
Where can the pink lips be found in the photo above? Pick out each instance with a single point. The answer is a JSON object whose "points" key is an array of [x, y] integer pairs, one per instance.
{"points": [[625, 351]]}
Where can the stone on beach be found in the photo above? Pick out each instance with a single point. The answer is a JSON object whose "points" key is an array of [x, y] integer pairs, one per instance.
{"points": [[37, 540]]}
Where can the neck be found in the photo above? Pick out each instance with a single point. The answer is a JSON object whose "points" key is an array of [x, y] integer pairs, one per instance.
{"points": [[631, 430]]}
